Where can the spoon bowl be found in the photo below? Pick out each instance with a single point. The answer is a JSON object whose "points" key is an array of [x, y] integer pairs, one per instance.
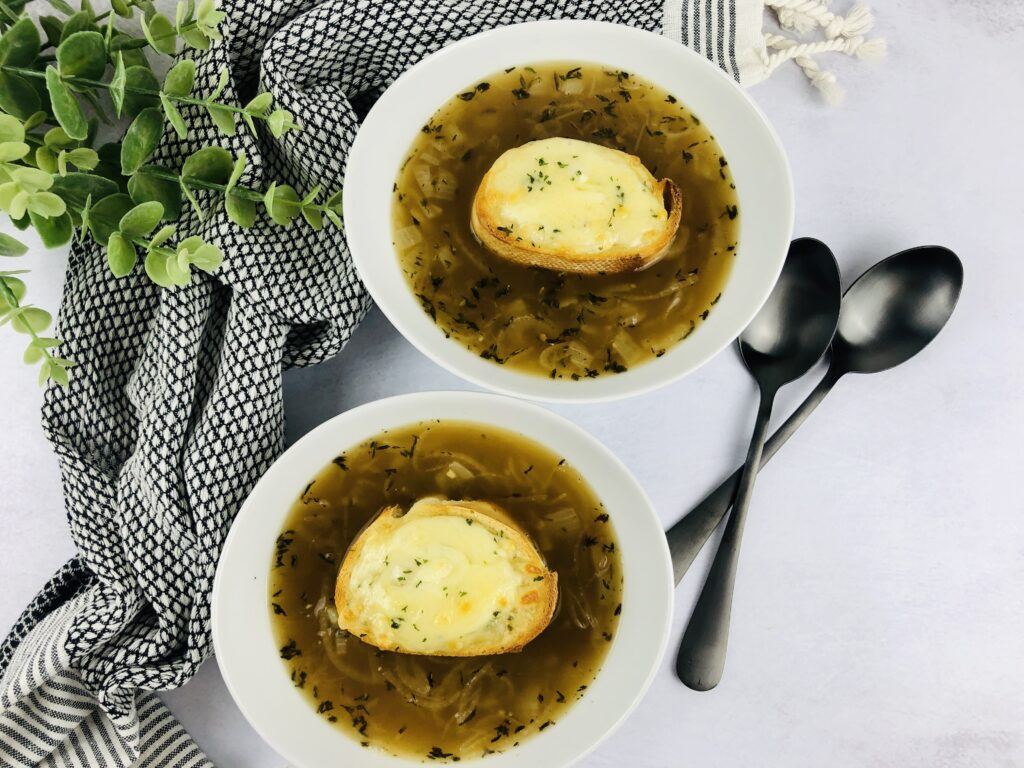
{"points": [[794, 327], [894, 310]]}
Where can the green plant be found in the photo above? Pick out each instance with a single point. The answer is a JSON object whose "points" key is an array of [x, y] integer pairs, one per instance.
{"points": [[28, 319], [58, 81]]}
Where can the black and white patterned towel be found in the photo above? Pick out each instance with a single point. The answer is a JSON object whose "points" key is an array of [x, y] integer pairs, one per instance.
{"points": [[175, 409]]}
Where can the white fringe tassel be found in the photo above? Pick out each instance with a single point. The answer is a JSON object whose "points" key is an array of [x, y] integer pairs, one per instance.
{"points": [[843, 34]]}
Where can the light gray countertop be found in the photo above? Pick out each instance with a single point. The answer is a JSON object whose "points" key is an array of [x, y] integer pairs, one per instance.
{"points": [[879, 618]]}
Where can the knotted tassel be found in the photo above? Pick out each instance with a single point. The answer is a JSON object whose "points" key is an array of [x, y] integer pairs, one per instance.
{"points": [[804, 15], [787, 49]]}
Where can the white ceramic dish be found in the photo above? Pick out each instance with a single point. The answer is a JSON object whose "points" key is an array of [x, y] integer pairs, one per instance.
{"points": [[242, 632], [755, 155]]}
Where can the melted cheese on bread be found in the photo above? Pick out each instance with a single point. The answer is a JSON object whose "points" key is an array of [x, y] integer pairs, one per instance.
{"points": [[573, 205], [447, 578]]}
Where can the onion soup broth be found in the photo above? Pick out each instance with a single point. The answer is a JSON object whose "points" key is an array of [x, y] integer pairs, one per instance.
{"points": [[435, 707], [554, 323]]}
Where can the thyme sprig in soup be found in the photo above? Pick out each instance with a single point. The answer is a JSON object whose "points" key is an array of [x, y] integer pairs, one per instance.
{"points": [[445, 708], [541, 320]]}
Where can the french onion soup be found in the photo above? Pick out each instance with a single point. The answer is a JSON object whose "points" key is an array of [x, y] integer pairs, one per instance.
{"points": [[565, 219], [445, 590]]}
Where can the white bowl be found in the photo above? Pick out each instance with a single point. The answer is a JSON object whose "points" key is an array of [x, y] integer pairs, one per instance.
{"points": [[756, 160], [242, 634]]}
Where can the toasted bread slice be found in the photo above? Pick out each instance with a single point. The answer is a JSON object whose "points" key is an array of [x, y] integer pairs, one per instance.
{"points": [[574, 206], [447, 578]]}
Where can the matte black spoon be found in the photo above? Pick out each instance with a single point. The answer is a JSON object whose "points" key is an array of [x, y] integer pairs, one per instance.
{"points": [[888, 315], [788, 336]]}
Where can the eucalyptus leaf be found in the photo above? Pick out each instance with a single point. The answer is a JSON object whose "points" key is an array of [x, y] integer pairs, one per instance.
{"points": [[224, 119], [146, 187], [75, 188], [81, 157], [45, 204], [174, 116], [142, 219], [260, 104], [181, 13], [61, 6], [57, 138], [180, 78], [117, 85], [313, 216], [82, 54], [138, 78], [17, 96], [282, 203], [11, 129], [32, 320], [32, 355], [58, 373], [240, 210], [20, 44], [105, 215], [30, 179], [210, 164], [160, 33], [196, 39], [121, 254], [16, 288], [34, 120], [237, 170], [46, 160], [10, 247], [206, 257], [141, 139], [156, 268], [279, 122], [54, 231], [178, 271], [13, 150], [81, 21], [16, 204], [162, 235], [53, 28], [65, 106]]}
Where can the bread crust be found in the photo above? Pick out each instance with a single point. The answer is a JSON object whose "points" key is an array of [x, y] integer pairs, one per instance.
{"points": [[536, 606], [485, 226]]}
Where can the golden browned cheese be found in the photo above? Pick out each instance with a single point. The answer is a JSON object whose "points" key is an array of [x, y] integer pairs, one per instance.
{"points": [[575, 206], [445, 578]]}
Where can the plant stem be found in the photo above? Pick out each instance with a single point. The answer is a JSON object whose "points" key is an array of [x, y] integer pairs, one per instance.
{"points": [[12, 300], [25, 72], [243, 192], [8, 12]]}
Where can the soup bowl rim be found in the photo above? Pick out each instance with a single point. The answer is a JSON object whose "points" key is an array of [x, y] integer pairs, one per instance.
{"points": [[243, 637], [755, 153]]}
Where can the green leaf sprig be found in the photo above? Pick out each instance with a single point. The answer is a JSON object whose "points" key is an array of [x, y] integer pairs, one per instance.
{"points": [[63, 77], [29, 319]]}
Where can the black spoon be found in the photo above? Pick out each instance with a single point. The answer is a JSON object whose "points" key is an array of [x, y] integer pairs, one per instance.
{"points": [[788, 336], [888, 315]]}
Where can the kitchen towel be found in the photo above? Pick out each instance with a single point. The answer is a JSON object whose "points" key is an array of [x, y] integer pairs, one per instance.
{"points": [[175, 408]]}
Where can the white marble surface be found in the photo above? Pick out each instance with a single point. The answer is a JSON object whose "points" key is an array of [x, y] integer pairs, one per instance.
{"points": [[878, 617]]}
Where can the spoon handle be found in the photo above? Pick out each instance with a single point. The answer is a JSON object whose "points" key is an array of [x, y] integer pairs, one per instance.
{"points": [[687, 536], [702, 652]]}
